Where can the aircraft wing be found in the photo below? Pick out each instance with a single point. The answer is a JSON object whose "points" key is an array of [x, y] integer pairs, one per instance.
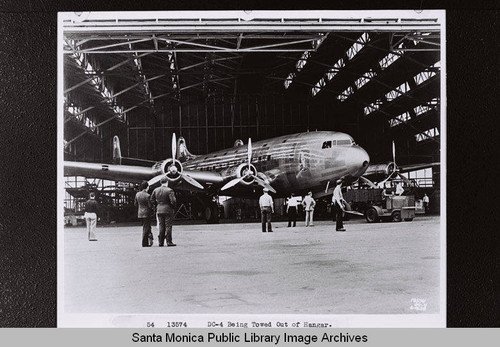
{"points": [[417, 166], [112, 172], [137, 174], [207, 179]]}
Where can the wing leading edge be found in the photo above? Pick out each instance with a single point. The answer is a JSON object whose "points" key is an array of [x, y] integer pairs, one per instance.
{"points": [[137, 174]]}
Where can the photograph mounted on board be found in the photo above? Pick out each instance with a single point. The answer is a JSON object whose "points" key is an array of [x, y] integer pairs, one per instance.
{"points": [[252, 167]]}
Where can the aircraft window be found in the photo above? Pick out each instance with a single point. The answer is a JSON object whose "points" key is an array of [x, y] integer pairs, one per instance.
{"points": [[225, 153], [343, 142], [327, 144], [206, 157], [265, 144], [285, 141]]}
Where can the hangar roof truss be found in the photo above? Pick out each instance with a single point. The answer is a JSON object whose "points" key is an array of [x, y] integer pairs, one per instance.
{"points": [[116, 64]]}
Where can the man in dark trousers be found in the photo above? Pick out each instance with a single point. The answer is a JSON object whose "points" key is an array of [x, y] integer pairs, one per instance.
{"points": [[338, 204], [291, 210], [267, 208], [163, 199], [144, 212]]}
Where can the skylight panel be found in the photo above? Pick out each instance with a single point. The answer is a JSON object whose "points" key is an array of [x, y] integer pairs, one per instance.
{"points": [[422, 109], [345, 94], [367, 76], [402, 89], [423, 76], [431, 133], [402, 118], [372, 107], [358, 45]]}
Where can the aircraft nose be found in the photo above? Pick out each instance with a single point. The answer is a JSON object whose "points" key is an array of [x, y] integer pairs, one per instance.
{"points": [[357, 159]]}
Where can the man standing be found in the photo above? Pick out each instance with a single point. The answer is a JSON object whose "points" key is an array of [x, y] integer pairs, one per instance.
{"points": [[91, 211], [144, 212], [266, 209], [291, 210], [308, 203], [426, 203], [338, 204], [163, 199]]}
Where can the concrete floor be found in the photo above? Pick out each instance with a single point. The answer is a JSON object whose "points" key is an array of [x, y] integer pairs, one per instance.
{"points": [[235, 268]]}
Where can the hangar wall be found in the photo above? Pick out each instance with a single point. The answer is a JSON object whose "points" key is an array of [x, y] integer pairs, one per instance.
{"points": [[217, 121]]}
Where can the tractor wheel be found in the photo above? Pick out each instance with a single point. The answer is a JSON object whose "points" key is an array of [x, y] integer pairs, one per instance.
{"points": [[396, 216], [372, 215]]}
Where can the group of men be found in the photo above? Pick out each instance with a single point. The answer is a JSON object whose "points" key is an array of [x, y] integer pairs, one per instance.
{"points": [[162, 202], [291, 209], [308, 203]]}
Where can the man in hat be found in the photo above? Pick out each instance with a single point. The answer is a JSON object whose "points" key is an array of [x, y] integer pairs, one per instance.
{"points": [[338, 204], [163, 199], [144, 212], [266, 209], [308, 203]]}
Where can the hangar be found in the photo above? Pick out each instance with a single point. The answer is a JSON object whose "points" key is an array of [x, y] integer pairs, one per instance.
{"points": [[217, 77], [213, 78]]}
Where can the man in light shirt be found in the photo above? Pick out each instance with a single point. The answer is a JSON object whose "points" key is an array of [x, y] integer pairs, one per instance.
{"points": [[266, 208], [338, 204], [308, 203], [425, 200], [291, 210]]}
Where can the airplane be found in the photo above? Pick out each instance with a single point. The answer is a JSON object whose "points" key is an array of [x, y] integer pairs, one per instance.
{"points": [[295, 163], [381, 173]]}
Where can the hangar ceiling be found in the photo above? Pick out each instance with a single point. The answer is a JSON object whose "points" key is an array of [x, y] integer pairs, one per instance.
{"points": [[120, 67]]}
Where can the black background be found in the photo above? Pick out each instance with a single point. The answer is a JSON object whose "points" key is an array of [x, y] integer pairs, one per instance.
{"points": [[28, 149]]}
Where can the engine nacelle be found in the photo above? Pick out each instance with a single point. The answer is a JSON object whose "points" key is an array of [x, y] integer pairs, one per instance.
{"points": [[172, 168], [380, 170], [247, 171]]}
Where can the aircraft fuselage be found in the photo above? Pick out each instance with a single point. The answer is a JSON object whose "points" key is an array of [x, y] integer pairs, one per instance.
{"points": [[293, 163]]}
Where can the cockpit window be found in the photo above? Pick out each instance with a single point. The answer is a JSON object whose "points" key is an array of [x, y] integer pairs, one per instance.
{"points": [[327, 144], [346, 142]]}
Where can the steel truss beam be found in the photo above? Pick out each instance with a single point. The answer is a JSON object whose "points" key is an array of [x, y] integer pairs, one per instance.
{"points": [[108, 24]]}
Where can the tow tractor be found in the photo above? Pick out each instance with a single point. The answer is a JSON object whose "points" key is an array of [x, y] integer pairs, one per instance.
{"points": [[377, 206], [395, 208]]}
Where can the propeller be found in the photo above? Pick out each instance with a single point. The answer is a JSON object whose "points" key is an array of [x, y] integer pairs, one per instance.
{"points": [[172, 169], [233, 182], [249, 174], [394, 152], [174, 146], [191, 180], [396, 167]]}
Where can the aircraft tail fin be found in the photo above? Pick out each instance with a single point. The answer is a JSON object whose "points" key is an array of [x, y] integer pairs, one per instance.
{"points": [[117, 152], [119, 160], [183, 153]]}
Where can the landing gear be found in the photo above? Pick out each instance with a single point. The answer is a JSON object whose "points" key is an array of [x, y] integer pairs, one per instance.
{"points": [[209, 208], [212, 213]]}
